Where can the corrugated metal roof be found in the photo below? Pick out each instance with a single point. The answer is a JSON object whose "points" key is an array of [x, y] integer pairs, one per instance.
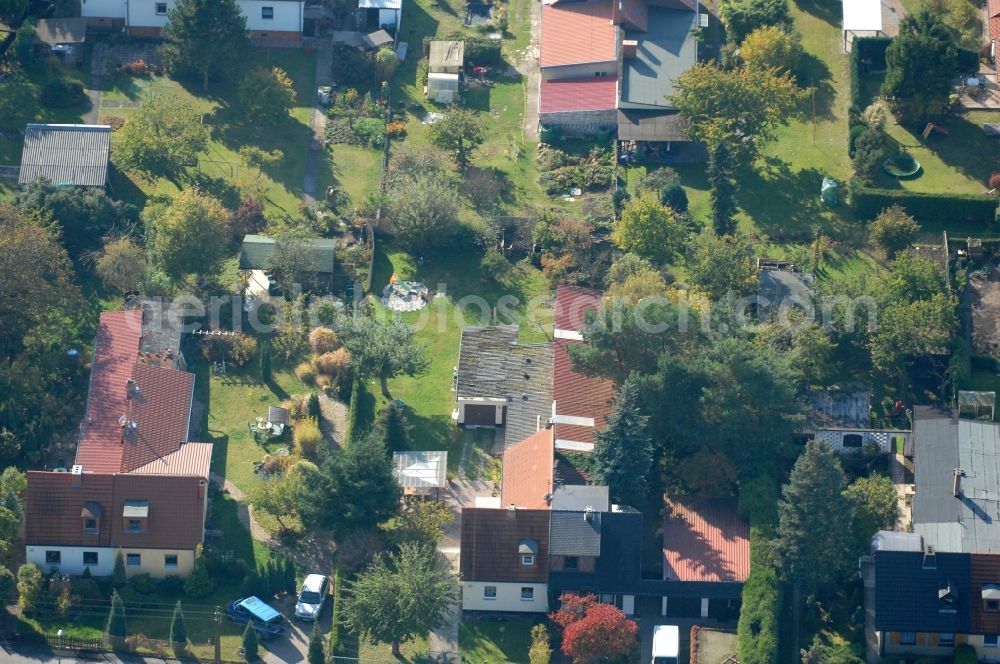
{"points": [[61, 30], [665, 51], [705, 541], [567, 95], [191, 459], [66, 154], [527, 472], [577, 33], [573, 534]]}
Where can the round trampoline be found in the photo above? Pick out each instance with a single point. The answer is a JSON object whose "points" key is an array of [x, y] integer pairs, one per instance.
{"points": [[901, 166]]}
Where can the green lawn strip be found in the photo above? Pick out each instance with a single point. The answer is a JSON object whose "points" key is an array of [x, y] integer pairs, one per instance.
{"points": [[429, 398], [354, 169], [371, 653], [495, 642]]}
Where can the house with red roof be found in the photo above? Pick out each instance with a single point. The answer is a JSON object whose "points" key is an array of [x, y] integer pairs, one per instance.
{"points": [[137, 487], [611, 64], [580, 404]]}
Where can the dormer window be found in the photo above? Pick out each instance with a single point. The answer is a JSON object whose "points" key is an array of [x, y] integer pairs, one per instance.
{"points": [[136, 515], [527, 549], [91, 516], [947, 600], [991, 598]]}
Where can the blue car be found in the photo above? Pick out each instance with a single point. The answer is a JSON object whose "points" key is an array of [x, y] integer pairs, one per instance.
{"points": [[266, 621]]}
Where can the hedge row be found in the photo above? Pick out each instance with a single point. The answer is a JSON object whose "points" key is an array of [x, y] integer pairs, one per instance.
{"points": [[757, 633], [334, 649], [867, 202], [870, 52], [352, 410]]}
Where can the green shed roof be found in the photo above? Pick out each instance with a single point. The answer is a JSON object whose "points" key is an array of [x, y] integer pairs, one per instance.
{"points": [[256, 252]]}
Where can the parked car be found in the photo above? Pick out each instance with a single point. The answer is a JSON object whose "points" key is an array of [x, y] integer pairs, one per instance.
{"points": [[666, 644], [266, 620], [312, 597]]}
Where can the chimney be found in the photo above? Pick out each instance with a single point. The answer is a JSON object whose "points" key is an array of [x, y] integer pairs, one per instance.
{"points": [[616, 12], [77, 474], [630, 48], [588, 514], [131, 388], [930, 559], [956, 484]]}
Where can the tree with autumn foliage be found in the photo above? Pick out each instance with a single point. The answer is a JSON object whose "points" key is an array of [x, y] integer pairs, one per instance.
{"points": [[592, 631]]}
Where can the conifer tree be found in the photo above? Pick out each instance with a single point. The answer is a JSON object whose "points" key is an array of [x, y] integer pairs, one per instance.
{"points": [[722, 189], [623, 454]]}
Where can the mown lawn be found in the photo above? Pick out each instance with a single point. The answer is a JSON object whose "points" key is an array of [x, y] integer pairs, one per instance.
{"points": [[495, 642], [220, 169]]}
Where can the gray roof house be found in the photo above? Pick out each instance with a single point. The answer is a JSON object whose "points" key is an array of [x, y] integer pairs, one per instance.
{"points": [[500, 382], [67, 155], [956, 505], [664, 51]]}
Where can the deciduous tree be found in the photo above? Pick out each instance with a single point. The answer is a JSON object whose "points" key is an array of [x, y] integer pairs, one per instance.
{"points": [[424, 212], [401, 596], [162, 138], [744, 16], [385, 349], [540, 651], [893, 230], [266, 96], [205, 37], [187, 235], [876, 507], [771, 47], [720, 265], [459, 133], [593, 631], [650, 229], [121, 265], [421, 522], [623, 454]]}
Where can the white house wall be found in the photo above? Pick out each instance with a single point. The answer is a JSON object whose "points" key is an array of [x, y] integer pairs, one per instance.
{"points": [[102, 8], [508, 597], [152, 561], [287, 15]]}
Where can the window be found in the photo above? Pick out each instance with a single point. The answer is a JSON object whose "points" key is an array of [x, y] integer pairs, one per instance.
{"points": [[527, 594], [53, 557], [161, 9], [852, 440], [946, 639], [267, 13], [170, 560], [89, 557], [527, 559], [133, 560], [991, 605], [489, 592], [90, 526], [134, 526], [907, 638], [600, 74], [571, 563], [991, 640]]}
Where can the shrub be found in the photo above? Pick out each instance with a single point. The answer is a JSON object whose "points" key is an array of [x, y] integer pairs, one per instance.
{"points": [[235, 349], [371, 131], [744, 16], [305, 372], [198, 584], [62, 93], [675, 198], [868, 202], [323, 340], [334, 363], [422, 69], [994, 181], [965, 654], [871, 148], [396, 129], [143, 583], [171, 586], [757, 632], [307, 437]]}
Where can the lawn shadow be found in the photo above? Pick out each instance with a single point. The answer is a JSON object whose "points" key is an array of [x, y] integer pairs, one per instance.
{"points": [[813, 72], [962, 148], [125, 189], [825, 11]]}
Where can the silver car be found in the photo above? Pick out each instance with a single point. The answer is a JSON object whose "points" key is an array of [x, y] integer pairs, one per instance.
{"points": [[312, 597]]}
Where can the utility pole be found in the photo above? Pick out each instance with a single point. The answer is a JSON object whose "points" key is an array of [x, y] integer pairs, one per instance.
{"points": [[218, 635]]}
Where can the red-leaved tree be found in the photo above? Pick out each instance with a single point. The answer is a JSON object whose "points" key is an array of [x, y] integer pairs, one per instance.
{"points": [[592, 631]]}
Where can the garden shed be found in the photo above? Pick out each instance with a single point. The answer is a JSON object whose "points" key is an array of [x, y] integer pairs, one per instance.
{"points": [[257, 251], [67, 155], [446, 57], [442, 88], [862, 18]]}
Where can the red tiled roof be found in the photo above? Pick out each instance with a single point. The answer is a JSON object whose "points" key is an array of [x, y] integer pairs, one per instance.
{"points": [[53, 509], [527, 472], [993, 8], [191, 459], [578, 94], [117, 346], [705, 541], [984, 570], [160, 409], [578, 32], [572, 302], [577, 395]]}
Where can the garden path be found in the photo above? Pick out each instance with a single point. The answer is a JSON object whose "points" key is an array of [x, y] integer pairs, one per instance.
{"points": [[314, 159]]}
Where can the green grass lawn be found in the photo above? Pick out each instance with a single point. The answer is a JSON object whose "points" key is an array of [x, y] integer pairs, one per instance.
{"points": [[220, 169], [495, 643]]}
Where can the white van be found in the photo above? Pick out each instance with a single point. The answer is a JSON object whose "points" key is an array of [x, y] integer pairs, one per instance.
{"points": [[666, 644]]}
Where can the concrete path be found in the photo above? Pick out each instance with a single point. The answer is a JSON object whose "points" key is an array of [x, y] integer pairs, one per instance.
{"points": [[529, 70], [315, 157], [98, 60]]}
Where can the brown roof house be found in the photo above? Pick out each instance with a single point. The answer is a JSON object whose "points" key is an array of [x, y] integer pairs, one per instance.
{"points": [[137, 486]]}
